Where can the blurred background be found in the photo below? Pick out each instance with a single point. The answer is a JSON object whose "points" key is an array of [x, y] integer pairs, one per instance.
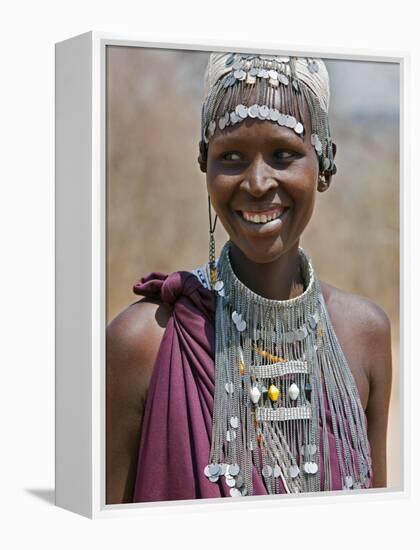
{"points": [[157, 200]]}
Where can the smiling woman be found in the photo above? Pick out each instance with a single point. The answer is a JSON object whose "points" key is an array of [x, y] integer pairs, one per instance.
{"points": [[255, 170], [249, 375]]}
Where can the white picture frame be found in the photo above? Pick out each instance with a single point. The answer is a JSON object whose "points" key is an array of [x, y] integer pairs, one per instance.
{"points": [[81, 284]]}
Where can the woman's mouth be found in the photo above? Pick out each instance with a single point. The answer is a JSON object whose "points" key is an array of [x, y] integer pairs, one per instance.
{"points": [[263, 217]]}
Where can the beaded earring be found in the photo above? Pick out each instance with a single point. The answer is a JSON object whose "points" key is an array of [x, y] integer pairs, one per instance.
{"points": [[212, 247], [322, 183]]}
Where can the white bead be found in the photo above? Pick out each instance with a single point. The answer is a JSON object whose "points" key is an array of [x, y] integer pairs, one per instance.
{"points": [[255, 394], [293, 392], [218, 285], [234, 421], [229, 387]]}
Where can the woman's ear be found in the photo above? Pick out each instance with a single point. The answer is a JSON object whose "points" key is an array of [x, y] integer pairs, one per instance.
{"points": [[202, 157]]}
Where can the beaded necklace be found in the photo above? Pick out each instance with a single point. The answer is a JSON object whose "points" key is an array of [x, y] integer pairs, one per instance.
{"points": [[277, 365]]}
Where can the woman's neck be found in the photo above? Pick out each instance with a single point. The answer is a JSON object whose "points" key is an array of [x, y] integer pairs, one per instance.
{"points": [[278, 280]]}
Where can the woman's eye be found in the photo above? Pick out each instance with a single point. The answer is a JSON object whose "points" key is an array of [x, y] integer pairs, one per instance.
{"points": [[283, 155], [231, 155]]}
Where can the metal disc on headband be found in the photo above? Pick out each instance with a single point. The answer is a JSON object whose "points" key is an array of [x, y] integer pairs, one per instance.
{"points": [[239, 74], [234, 118], [253, 111], [230, 59], [299, 128], [241, 111], [264, 111]]}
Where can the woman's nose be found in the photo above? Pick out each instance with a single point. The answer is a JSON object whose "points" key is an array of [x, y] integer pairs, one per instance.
{"points": [[258, 178]]}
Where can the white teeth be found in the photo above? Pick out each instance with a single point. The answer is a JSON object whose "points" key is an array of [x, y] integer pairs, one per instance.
{"points": [[263, 218]]}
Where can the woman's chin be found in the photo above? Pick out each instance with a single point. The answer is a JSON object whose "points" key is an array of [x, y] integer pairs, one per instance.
{"points": [[261, 251]]}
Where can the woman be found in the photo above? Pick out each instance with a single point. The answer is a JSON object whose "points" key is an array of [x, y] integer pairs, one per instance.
{"points": [[250, 376]]}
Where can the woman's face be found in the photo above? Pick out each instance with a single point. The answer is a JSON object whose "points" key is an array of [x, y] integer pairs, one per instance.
{"points": [[262, 180]]}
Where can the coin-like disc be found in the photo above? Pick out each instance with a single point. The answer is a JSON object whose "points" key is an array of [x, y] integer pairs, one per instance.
{"points": [[241, 326], [276, 471], [299, 128], [294, 470], [235, 317], [267, 471], [214, 469], [242, 111], [234, 469]]}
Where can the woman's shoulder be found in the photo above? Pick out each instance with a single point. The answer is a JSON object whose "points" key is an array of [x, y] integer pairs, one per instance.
{"points": [[133, 338], [359, 311], [364, 331]]}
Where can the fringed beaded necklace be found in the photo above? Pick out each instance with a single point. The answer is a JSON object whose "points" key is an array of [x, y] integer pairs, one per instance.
{"points": [[276, 364]]}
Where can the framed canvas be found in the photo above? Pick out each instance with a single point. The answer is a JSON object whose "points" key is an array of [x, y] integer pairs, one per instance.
{"points": [[131, 213]]}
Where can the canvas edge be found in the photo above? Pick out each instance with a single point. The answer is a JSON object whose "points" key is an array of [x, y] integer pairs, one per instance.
{"points": [[73, 275]]}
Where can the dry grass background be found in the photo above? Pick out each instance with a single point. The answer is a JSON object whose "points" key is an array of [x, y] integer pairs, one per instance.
{"points": [[157, 201]]}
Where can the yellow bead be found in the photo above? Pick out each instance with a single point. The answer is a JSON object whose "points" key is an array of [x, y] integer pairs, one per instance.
{"points": [[320, 331], [273, 392]]}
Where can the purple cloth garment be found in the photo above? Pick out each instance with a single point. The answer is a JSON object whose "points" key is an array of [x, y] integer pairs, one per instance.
{"points": [[177, 422]]}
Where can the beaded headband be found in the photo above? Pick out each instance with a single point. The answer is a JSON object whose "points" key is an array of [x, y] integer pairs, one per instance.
{"points": [[268, 87]]}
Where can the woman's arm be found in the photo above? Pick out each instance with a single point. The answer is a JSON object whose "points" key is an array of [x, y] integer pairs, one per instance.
{"points": [[132, 342], [378, 332]]}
